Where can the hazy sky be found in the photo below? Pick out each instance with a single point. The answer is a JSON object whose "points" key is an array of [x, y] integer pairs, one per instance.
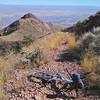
{"points": [[52, 2]]}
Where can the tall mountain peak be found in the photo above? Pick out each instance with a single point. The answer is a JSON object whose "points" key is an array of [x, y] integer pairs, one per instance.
{"points": [[28, 25], [28, 15]]}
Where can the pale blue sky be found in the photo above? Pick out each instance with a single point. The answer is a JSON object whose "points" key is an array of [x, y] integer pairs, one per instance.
{"points": [[52, 2]]}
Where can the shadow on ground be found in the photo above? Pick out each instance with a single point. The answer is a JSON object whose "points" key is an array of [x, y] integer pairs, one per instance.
{"points": [[62, 96]]}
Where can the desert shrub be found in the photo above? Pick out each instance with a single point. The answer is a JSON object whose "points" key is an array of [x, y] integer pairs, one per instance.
{"points": [[87, 40], [91, 58], [96, 47], [90, 42], [28, 39], [96, 30], [36, 58], [16, 47], [2, 50], [93, 81], [90, 62], [87, 54]]}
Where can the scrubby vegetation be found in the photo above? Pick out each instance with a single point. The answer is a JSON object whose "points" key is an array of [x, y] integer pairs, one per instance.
{"points": [[84, 51], [91, 63], [87, 54], [36, 58], [5, 74], [7, 47], [55, 40], [30, 52], [17, 47], [28, 39], [87, 25]]}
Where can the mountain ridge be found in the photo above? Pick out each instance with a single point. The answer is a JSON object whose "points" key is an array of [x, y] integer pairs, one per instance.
{"points": [[86, 25], [29, 24]]}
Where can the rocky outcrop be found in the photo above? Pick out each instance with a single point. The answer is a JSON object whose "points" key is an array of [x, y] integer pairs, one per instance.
{"points": [[11, 28], [28, 15], [86, 25]]}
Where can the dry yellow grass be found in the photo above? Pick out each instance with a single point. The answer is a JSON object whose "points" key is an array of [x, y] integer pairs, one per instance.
{"points": [[42, 44], [5, 70], [58, 38], [52, 41], [5, 73], [71, 38], [3, 63], [3, 95], [49, 42], [90, 62]]}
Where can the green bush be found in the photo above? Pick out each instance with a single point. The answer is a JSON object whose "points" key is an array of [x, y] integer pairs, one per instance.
{"points": [[16, 47], [36, 58], [2, 50], [28, 39]]}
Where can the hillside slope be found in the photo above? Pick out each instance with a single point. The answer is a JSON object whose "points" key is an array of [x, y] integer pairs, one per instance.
{"points": [[27, 25], [86, 25]]}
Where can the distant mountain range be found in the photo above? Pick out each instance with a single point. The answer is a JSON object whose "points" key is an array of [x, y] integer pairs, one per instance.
{"points": [[63, 15]]}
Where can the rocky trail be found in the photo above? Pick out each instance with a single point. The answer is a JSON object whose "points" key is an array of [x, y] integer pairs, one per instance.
{"points": [[19, 88]]}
